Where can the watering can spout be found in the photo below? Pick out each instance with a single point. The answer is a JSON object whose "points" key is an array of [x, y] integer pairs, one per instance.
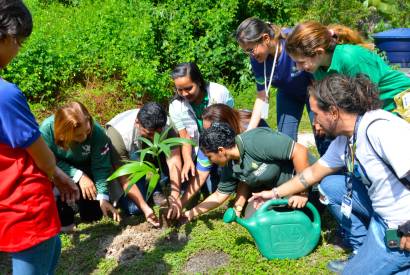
{"points": [[230, 216]]}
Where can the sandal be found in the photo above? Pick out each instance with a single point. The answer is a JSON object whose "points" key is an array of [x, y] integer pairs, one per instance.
{"points": [[153, 220]]}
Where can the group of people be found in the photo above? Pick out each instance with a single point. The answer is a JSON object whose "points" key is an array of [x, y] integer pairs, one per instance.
{"points": [[52, 171]]}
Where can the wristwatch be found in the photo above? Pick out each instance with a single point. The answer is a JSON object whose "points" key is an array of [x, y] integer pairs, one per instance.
{"points": [[405, 228]]}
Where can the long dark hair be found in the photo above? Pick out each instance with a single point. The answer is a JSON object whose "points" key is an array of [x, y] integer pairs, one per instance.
{"points": [[15, 19], [191, 70], [252, 29]]}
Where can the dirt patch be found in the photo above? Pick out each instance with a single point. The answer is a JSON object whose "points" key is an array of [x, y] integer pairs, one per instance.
{"points": [[206, 260], [131, 243]]}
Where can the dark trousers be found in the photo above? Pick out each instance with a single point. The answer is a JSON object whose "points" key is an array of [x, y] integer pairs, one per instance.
{"points": [[90, 211]]}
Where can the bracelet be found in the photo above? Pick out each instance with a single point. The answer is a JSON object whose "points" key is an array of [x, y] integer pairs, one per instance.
{"points": [[275, 193]]}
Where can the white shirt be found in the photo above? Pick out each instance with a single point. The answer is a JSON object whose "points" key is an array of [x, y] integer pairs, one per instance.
{"points": [[390, 138]]}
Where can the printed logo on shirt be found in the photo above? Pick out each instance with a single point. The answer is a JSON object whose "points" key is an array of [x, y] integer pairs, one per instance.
{"points": [[260, 170], [294, 72], [86, 149], [105, 149]]}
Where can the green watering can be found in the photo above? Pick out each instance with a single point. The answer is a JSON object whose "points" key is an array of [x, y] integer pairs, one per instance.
{"points": [[280, 235]]}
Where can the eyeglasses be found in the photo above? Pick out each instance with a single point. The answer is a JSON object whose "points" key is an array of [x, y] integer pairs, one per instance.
{"points": [[251, 51], [184, 89]]}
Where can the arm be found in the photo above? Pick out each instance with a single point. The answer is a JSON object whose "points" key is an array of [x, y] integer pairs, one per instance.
{"points": [[101, 169], [297, 184], [211, 202], [242, 194], [188, 167], [257, 109], [119, 155], [174, 167], [45, 161], [300, 157], [300, 161], [194, 185]]}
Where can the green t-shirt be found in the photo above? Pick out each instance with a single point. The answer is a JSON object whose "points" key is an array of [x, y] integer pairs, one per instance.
{"points": [[354, 59], [199, 110], [265, 161], [92, 156]]}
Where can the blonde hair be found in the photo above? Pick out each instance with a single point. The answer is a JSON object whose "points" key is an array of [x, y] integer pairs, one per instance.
{"points": [[66, 119], [307, 37]]}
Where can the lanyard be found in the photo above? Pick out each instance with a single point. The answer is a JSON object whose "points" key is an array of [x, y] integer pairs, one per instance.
{"points": [[267, 86], [350, 151]]}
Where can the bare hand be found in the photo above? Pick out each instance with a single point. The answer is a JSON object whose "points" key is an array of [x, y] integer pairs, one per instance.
{"points": [[69, 191], [175, 208], [405, 243], [237, 213], [298, 201], [106, 207], [87, 188], [259, 198], [188, 215], [152, 219], [187, 169]]}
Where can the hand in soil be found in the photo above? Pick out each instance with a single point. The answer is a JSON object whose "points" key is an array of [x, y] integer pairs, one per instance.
{"points": [[106, 207], [182, 220], [153, 220], [175, 208]]}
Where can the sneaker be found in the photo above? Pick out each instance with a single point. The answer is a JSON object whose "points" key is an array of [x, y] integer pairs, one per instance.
{"points": [[337, 266], [159, 199]]}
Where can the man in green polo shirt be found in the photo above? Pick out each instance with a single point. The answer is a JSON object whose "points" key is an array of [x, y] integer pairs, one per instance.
{"points": [[260, 158]]}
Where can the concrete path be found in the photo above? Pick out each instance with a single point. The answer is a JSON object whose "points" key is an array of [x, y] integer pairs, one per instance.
{"points": [[306, 139]]}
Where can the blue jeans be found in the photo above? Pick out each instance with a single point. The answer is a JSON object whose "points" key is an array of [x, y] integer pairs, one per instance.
{"points": [[38, 260], [289, 113], [364, 231], [355, 228], [373, 257]]}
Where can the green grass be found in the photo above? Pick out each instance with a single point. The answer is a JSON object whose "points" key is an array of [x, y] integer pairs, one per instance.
{"points": [[82, 251]]}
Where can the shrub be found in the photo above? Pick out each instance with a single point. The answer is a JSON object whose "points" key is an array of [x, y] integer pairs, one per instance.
{"points": [[138, 42]]}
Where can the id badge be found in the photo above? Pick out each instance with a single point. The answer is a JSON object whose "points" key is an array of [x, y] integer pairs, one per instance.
{"points": [[346, 206], [265, 110]]}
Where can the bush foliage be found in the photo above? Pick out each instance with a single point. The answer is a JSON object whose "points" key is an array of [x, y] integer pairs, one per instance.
{"points": [[138, 42]]}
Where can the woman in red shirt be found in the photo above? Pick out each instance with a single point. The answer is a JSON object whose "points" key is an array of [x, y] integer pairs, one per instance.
{"points": [[29, 223]]}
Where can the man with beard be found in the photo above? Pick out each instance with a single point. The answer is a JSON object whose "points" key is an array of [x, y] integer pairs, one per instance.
{"points": [[371, 200]]}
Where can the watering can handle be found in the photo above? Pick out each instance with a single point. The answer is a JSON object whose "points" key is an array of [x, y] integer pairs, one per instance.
{"points": [[267, 204]]}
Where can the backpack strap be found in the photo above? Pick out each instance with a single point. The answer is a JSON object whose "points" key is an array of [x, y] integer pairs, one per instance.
{"points": [[404, 181]]}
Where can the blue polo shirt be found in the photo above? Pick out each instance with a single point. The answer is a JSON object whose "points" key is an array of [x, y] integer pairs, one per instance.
{"points": [[286, 77], [18, 127]]}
